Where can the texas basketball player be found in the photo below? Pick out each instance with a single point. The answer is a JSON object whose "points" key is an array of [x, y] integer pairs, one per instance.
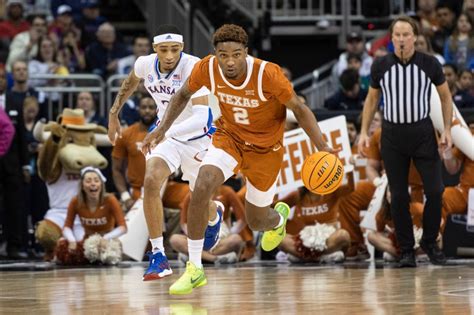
{"points": [[253, 96]]}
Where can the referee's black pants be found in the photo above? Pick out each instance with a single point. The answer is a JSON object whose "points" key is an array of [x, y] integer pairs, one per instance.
{"points": [[402, 143]]}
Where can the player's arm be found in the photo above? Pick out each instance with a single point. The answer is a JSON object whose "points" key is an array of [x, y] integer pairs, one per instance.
{"points": [[370, 107], [198, 121], [308, 122], [129, 85], [447, 109], [175, 108]]}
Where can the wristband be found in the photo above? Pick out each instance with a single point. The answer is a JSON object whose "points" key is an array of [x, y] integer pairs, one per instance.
{"points": [[125, 196]]}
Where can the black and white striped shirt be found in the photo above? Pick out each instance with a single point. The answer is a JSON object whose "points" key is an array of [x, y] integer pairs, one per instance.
{"points": [[406, 88]]}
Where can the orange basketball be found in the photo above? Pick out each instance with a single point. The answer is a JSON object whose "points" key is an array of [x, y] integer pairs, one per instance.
{"points": [[322, 173]]}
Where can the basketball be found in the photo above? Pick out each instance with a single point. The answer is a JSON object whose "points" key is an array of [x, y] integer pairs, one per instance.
{"points": [[322, 173]]}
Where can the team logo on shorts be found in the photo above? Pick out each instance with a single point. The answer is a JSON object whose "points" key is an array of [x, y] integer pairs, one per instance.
{"points": [[150, 78]]}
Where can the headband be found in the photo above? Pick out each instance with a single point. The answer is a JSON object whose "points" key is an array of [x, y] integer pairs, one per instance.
{"points": [[95, 170], [169, 37]]}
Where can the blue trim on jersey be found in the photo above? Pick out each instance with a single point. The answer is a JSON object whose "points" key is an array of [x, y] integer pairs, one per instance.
{"points": [[157, 67], [209, 129]]}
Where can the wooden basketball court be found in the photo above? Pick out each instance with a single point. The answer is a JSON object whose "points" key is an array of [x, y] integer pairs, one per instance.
{"points": [[248, 288]]}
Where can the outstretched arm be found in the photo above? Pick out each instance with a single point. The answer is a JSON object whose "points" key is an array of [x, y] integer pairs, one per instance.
{"points": [[308, 122], [129, 85], [370, 107], [175, 107]]}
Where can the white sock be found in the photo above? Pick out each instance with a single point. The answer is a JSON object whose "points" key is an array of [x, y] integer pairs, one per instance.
{"points": [[282, 220], [195, 251], [157, 245]]}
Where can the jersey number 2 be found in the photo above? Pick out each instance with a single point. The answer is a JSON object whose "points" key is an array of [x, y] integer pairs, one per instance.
{"points": [[241, 115]]}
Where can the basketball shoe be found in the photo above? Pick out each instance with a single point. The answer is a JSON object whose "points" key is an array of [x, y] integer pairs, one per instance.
{"points": [[271, 239], [211, 237], [158, 268], [192, 278]]}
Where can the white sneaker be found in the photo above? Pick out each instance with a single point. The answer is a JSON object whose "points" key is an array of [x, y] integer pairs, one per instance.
{"points": [[229, 258], [387, 257], [336, 257]]}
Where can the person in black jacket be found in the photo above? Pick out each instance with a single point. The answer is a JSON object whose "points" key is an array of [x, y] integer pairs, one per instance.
{"points": [[14, 171]]}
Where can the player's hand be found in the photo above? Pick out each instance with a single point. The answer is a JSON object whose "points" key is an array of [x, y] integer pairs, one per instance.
{"points": [[152, 140], [115, 130], [330, 150], [72, 246], [446, 142], [363, 144]]}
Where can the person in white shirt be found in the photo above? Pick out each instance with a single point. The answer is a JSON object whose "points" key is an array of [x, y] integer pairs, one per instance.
{"points": [[164, 73]]}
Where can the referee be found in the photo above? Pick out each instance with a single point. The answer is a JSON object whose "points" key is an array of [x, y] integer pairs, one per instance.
{"points": [[405, 78]]}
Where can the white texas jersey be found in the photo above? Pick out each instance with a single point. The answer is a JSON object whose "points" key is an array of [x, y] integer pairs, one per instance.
{"points": [[163, 86]]}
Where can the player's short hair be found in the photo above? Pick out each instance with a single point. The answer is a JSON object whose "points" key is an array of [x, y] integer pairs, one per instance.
{"points": [[168, 28], [230, 33], [405, 19]]}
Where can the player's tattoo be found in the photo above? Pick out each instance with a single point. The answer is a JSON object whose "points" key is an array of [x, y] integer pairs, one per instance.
{"points": [[126, 89]]}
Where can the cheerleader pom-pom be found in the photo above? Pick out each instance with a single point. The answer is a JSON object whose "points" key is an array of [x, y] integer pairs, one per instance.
{"points": [[92, 248], [418, 233], [315, 236], [111, 254]]}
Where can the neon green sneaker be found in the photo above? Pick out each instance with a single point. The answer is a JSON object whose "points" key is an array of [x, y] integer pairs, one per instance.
{"points": [[271, 239], [193, 277]]}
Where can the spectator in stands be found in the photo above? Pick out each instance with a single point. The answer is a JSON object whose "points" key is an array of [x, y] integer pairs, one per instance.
{"points": [[468, 7], [353, 132], [423, 44], [89, 21], [46, 62], [427, 16], [459, 48], [128, 162], [102, 55], [461, 98], [14, 171], [71, 55], [141, 47], [36, 194], [86, 102], [7, 132], [15, 23], [76, 6], [20, 90], [355, 44], [24, 45], [62, 24], [354, 62], [350, 96], [447, 23], [3, 86], [466, 82]]}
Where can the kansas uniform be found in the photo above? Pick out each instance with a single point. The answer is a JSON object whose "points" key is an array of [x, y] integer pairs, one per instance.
{"points": [[184, 150]]}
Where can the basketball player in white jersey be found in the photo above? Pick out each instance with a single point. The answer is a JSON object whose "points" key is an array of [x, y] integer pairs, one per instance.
{"points": [[164, 72]]}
